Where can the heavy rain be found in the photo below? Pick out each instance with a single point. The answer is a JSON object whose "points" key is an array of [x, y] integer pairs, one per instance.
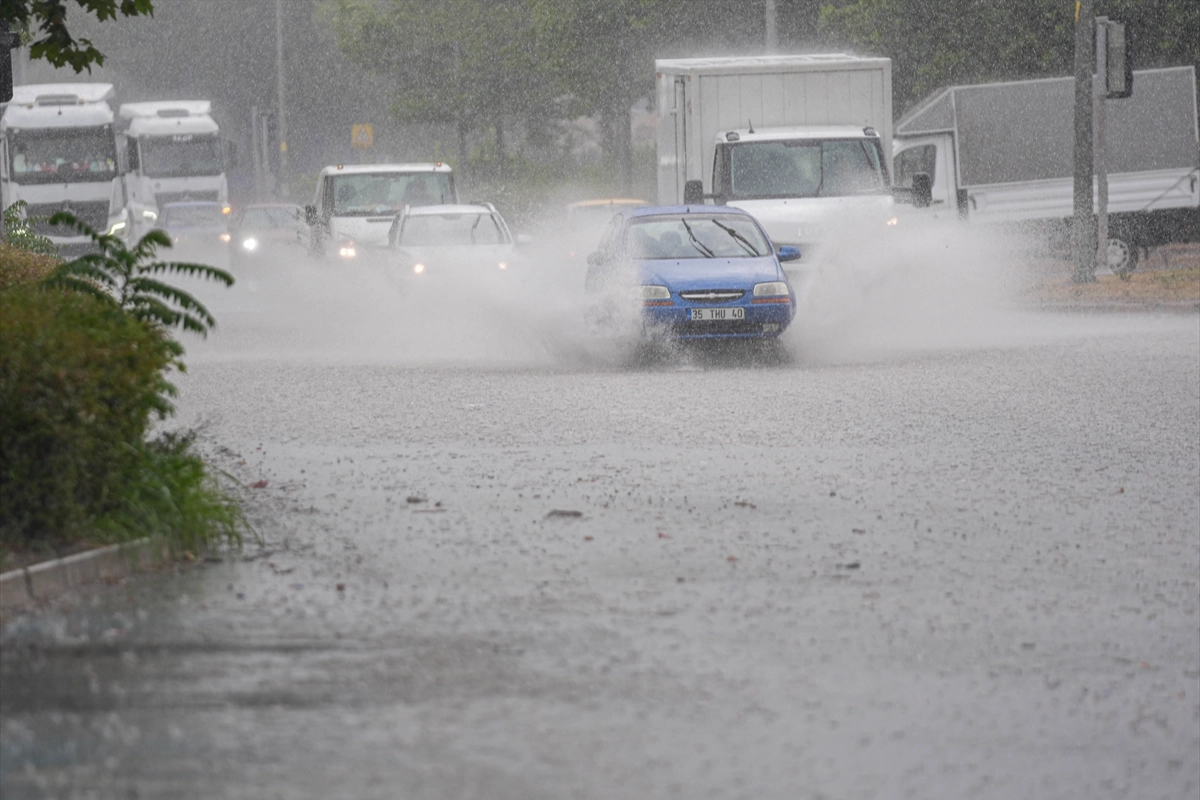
{"points": [[631, 399]]}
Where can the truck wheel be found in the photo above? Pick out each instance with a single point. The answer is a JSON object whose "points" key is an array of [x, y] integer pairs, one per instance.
{"points": [[1122, 257]]}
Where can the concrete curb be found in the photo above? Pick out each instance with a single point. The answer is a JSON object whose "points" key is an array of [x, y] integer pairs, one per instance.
{"points": [[22, 588]]}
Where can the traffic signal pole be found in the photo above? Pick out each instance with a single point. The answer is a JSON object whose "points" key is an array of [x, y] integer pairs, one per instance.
{"points": [[1083, 228]]}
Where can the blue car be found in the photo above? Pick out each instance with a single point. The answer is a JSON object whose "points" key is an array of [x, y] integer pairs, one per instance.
{"points": [[692, 272]]}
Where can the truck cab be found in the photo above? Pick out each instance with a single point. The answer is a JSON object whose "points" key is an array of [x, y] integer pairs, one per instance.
{"points": [[58, 152], [173, 153], [355, 204], [799, 182]]}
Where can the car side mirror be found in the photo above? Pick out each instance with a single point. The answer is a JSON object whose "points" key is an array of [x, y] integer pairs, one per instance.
{"points": [[693, 193], [310, 215], [922, 190], [789, 253]]}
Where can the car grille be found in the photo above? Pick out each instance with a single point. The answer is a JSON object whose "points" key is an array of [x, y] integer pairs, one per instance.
{"points": [[712, 295], [94, 213], [162, 198]]}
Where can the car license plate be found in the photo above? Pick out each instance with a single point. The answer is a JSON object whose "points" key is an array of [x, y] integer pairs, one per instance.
{"points": [[717, 314]]}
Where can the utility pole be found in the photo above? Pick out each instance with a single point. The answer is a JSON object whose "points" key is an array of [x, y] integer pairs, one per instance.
{"points": [[771, 38], [281, 120], [1100, 143], [1083, 229]]}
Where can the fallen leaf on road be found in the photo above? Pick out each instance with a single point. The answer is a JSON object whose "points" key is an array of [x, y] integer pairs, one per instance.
{"points": [[731, 559], [412, 498], [850, 565], [588, 538], [662, 535], [559, 513], [745, 504], [341, 587], [259, 485]]}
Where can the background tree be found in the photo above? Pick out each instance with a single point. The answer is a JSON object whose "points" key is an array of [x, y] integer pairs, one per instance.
{"points": [[465, 63], [45, 23]]}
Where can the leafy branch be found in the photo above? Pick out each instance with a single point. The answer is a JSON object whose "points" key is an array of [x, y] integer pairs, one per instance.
{"points": [[125, 277]]}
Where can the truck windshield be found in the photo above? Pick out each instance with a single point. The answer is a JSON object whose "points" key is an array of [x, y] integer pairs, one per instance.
{"points": [[805, 168], [370, 194], [62, 155], [181, 156]]}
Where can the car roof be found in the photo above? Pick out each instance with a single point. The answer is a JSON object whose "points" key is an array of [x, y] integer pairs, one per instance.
{"points": [[459, 208], [193, 204], [705, 210], [380, 169], [607, 201]]}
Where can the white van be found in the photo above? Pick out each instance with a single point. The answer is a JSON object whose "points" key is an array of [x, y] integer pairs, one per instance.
{"points": [[356, 204]]}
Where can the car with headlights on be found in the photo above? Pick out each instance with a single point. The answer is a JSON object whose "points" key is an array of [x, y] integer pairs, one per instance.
{"points": [[268, 231], [691, 272], [198, 228], [457, 240]]}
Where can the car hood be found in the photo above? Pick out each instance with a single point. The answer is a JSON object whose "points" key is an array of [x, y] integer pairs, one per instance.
{"points": [[363, 231], [699, 273]]}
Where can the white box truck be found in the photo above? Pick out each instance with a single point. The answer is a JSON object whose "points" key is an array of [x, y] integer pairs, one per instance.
{"points": [[1003, 153], [59, 153], [801, 142], [173, 153]]}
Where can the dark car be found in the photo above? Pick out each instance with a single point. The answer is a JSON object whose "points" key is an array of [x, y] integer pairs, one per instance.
{"points": [[197, 228], [698, 272], [269, 230]]}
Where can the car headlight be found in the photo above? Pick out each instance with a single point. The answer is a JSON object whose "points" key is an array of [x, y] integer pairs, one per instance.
{"points": [[150, 215], [771, 292], [771, 289], [225, 237], [503, 265], [347, 250], [418, 268], [893, 222], [250, 244], [656, 296]]}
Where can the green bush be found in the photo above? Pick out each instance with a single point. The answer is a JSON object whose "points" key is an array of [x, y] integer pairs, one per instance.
{"points": [[79, 383]]}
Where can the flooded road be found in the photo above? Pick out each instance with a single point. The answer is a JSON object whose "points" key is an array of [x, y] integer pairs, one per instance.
{"points": [[934, 553]]}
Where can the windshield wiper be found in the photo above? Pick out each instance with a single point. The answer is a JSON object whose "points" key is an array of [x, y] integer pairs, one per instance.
{"points": [[742, 240], [696, 242], [478, 219]]}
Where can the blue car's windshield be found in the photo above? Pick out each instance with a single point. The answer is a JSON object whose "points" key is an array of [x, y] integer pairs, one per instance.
{"points": [[695, 236]]}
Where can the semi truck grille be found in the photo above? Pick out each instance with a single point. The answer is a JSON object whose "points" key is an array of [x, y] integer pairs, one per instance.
{"points": [[94, 213], [184, 197], [712, 295]]}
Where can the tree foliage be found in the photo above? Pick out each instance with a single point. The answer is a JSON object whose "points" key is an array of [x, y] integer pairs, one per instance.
{"points": [[127, 277], [44, 22]]}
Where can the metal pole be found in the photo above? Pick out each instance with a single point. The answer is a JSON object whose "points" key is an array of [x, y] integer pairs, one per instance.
{"points": [[1083, 229], [281, 87], [1101, 145], [772, 40]]}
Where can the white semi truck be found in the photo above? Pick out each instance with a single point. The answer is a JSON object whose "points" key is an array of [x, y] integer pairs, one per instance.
{"points": [[1003, 153], [172, 152], [59, 153], [801, 142]]}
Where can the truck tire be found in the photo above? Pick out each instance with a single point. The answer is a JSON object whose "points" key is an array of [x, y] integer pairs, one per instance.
{"points": [[1122, 256]]}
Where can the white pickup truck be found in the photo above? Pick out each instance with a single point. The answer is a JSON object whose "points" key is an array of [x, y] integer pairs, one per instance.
{"points": [[356, 204], [1002, 153]]}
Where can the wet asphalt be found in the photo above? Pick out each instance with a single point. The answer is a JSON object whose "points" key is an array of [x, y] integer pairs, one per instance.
{"points": [[940, 551]]}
